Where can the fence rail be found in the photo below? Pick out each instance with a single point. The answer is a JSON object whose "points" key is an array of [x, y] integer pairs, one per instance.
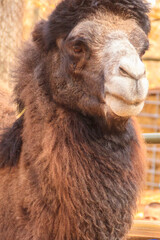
{"points": [[145, 230], [152, 138]]}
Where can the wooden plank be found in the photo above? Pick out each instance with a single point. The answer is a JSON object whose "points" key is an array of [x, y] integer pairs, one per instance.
{"points": [[143, 228], [152, 138]]}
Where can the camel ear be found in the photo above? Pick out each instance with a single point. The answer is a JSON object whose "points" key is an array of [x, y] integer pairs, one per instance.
{"points": [[38, 34]]}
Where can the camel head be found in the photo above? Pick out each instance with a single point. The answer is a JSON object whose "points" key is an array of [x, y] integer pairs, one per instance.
{"points": [[96, 63]]}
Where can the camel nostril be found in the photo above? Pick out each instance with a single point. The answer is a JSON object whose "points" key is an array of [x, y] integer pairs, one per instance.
{"points": [[130, 73], [123, 72], [132, 67]]}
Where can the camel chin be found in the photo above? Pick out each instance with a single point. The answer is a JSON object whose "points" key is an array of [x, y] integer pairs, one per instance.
{"points": [[122, 108]]}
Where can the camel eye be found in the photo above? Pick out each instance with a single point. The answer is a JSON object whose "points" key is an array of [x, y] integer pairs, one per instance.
{"points": [[77, 49]]}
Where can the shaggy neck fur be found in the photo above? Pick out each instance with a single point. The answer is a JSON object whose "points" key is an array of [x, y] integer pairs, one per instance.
{"points": [[78, 173]]}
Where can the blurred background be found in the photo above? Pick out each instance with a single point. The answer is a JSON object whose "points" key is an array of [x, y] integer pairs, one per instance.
{"points": [[17, 19]]}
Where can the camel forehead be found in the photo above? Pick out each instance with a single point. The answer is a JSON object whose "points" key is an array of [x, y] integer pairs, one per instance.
{"points": [[103, 23]]}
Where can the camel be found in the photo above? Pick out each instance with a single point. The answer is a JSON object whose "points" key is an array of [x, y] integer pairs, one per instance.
{"points": [[77, 166]]}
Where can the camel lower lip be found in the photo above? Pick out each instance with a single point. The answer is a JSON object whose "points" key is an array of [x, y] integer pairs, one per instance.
{"points": [[126, 101], [123, 108]]}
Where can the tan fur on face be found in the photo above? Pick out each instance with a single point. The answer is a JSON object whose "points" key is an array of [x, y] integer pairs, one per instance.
{"points": [[125, 93]]}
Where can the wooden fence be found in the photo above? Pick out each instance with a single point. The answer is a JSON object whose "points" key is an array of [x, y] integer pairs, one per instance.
{"points": [[143, 229]]}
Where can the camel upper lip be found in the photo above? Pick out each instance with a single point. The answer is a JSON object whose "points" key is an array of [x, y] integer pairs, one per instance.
{"points": [[126, 101]]}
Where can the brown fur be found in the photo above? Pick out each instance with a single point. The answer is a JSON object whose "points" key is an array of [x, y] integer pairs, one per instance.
{"points": [[79, 172]]}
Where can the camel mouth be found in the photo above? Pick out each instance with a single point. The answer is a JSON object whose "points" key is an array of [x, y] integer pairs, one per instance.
{"points": [[123, 107], [125, 100]]}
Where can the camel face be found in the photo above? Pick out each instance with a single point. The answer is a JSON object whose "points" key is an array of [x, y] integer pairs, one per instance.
{"points": [[106, 50], [126, 85]]}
